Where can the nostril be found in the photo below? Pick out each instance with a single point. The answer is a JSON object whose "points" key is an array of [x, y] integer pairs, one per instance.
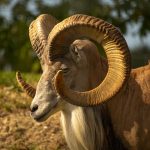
{"points": [[34, 108]]}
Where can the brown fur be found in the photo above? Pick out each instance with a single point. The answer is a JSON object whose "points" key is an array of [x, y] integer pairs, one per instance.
{"points": [[130, 110], [121, 123]]}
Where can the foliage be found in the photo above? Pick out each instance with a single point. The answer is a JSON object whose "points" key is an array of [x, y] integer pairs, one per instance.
{"points": [[15, 48], [140, 55], [134, 11]]}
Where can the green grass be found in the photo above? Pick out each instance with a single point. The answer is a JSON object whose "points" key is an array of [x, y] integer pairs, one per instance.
{"points": [[9, 78]]}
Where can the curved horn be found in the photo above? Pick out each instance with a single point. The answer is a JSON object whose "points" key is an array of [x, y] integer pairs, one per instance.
{"points": [[38, 32], [25, 86], [115, 47]]}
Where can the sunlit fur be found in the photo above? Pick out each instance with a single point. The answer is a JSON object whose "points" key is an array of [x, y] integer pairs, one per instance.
{"points": [[89, 128], [85, 129], [109, 126]]}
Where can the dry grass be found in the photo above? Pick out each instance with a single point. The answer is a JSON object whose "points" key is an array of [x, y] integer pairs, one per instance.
{"points": [[18, 131]]}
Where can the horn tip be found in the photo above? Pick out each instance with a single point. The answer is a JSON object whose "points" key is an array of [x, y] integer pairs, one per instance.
{"points": [[18, 73]]}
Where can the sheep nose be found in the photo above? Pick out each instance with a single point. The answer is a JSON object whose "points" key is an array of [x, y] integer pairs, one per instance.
{"points": [[34, 108]]}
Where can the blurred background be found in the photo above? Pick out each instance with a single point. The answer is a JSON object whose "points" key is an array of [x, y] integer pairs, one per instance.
{"points": [[132, 17], [18, 131]]}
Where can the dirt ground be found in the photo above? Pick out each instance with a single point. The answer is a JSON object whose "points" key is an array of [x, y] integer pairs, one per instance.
{"points": [[18, 131]]}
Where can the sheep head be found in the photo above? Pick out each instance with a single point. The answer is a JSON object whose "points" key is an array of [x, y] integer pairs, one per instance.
{"points": [[64, 63]]}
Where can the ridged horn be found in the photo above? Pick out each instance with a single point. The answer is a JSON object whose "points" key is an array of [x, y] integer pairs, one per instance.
{"points": [[115, 47], [39, 30], [25, 86]]}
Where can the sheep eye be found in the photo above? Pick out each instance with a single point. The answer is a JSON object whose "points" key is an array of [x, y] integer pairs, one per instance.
{"points": [[65, 70]]}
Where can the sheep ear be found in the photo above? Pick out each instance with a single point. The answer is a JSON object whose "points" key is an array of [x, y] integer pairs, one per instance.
{"points": [[75, 53]]}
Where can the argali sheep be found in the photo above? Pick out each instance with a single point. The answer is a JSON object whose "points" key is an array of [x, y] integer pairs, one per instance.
{"points": [[104, 104]]}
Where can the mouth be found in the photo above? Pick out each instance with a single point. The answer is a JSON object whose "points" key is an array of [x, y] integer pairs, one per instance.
{"points": [[46, 114]]}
